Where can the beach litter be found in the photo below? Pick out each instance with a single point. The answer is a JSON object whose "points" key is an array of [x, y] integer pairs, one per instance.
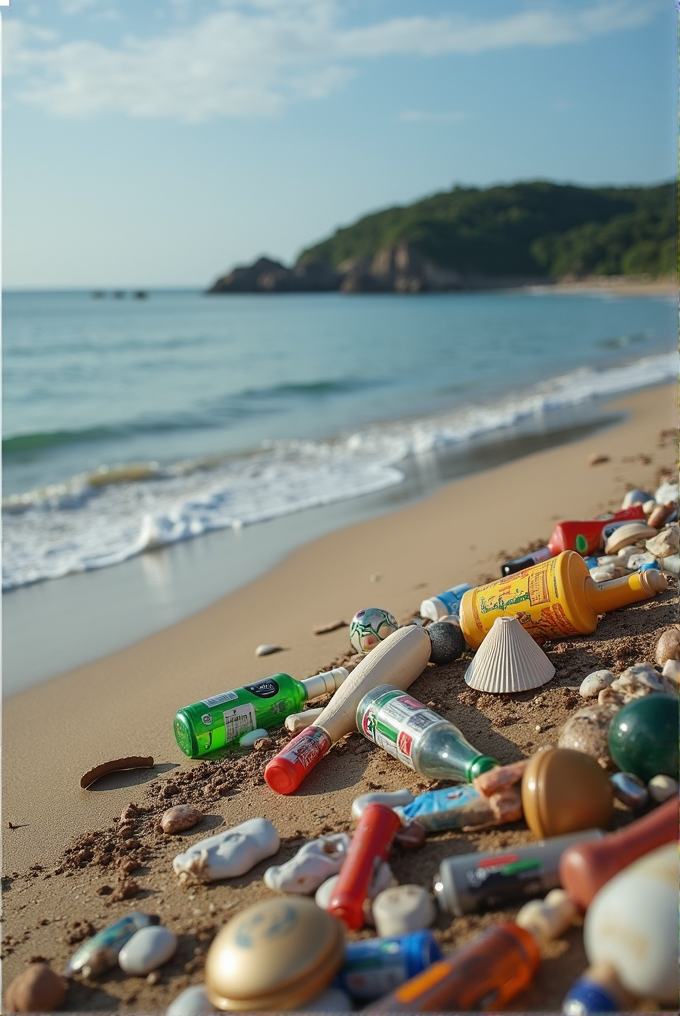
{"points": [[629, 789], [391, 798], [401, 909], [564, 791], [232, 852], [643, 737], [115, 765], [267, 648], [508, 660], [381, 879], [374, 966], [370, 626], [314, 863], [446, 604], [101, 952]]}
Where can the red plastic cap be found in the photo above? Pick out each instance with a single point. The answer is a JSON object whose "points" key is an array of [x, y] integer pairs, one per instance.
{"points": [[286, 771]]}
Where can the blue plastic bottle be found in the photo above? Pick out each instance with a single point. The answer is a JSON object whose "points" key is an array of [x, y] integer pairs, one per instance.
{"points": [[376, 966]]}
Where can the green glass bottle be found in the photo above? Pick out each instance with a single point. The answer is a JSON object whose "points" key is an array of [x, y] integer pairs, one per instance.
{"points": [[418, 737], [221, 720]]}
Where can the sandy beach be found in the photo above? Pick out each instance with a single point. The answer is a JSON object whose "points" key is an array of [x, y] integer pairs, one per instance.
{"points": [[55, 875]]}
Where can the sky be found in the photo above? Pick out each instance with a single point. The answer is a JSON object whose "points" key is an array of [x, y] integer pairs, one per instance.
{"points": [[154, 143]]}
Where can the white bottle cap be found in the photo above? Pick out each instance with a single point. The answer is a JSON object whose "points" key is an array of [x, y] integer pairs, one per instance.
{"points": [[433, 608], [325, 684]]}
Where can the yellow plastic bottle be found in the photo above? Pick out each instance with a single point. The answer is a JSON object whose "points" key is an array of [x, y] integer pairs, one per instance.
{"points": [[554, 599]]}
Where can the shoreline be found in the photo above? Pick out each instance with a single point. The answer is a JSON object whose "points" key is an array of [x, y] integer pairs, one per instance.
{"points": [[123, 704]]}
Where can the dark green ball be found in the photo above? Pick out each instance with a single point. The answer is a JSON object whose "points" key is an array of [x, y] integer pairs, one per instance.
{"points": [[643, 737], [447, 641]]}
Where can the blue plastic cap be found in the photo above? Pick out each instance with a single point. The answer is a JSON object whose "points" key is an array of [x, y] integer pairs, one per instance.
{"points": [[585, 997], [420, 950], [648, 565]]}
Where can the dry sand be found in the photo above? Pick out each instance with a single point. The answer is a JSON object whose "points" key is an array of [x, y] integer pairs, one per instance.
{"points": [[63, 862]]}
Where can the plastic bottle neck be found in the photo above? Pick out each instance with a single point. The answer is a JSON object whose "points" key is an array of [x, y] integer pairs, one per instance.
{"points": [[606, 596], [324, 684]]}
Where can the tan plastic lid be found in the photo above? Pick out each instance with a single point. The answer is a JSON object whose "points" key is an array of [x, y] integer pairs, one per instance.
{"points": [[624, 536], [564, 791], [275, 955]]}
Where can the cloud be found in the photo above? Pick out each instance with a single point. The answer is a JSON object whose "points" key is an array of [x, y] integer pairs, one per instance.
{"points": [[423, 116], [256, 57]]}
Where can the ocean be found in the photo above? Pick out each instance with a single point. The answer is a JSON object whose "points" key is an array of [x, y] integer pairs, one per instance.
{"points": [[137, 424], [131, 424]]}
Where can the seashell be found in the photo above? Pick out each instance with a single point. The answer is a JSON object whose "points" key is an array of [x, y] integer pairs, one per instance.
{"points": [[249, 739], [624, 536], [330, 1000], [266, 649], [636, 497], [668, 646], [192, 1001], [662, 787], [587, 731], [671, 671], [641, 679], [508, 660], [296, 722], [148, 949], [314, 863], [629, 789], [179, 818], [548, 919], [609, 697], [402, 909], [232, 852], [36, 989], [665, 543], [383, 879], [392, 800], [592, 685]]}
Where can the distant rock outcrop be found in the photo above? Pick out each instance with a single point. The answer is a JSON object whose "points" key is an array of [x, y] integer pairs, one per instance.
{"points": [[398, 268]]}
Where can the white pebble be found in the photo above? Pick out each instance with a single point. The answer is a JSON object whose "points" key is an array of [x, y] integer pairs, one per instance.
{"points": [[192, 1001], [232, 852], [148, 949], [266, 649], [249, 739], [662, 787], [401, 909], [392, 800], [592, 685]]}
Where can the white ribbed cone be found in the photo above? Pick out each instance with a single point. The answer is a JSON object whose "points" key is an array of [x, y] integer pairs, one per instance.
{"points": [[508, 660]]}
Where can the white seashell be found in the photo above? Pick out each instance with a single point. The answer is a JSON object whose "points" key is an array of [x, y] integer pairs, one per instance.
{"points": [[549, 918], [192, 1001], [249, 739], [331, 1000], [148, 949], [232, 852], [402, 909], [662, 787], [314, 863], [266, 649], [508, 660], [671, 671], [392, 800], [665, 543], [593, 684], [383, 879], [632, 923], [296, 722]]}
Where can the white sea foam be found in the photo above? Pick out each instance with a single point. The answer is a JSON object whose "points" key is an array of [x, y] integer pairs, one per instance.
{"points": [[100, 519]]}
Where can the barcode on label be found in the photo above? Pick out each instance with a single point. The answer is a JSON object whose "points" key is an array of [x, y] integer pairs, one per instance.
{"points": [[238, 721], [217, 700]]}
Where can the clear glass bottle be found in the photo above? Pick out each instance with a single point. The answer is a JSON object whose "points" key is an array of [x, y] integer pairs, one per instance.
{"points": [[419, 737]]}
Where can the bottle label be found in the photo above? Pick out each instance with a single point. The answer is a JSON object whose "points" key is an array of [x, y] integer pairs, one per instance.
{"points": [[371, 971], [218, 700], [267, 688], [498, 880], [239, 721], [397, 722], [307, 748], [452, 597]]}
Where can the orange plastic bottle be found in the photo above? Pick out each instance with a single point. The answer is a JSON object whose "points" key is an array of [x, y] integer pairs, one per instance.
{"points": [[554, 599], [484, 974]]}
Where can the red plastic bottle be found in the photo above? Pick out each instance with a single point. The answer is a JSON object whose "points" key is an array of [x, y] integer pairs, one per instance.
{"points": [[371, 843], [482, 975], [585, 867]]}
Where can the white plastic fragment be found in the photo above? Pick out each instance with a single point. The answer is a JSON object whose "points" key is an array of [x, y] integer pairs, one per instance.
{"points": [[314, 863], [297, 722], [232, 852], [592, 685], [391, 799], [662, 787], [148, 949], [249, 739], [401, 909], [192, 1001]]}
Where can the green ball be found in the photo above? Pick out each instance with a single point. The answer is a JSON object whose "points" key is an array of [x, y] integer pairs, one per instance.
{"points": [[643, 737], [447, 641]]}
